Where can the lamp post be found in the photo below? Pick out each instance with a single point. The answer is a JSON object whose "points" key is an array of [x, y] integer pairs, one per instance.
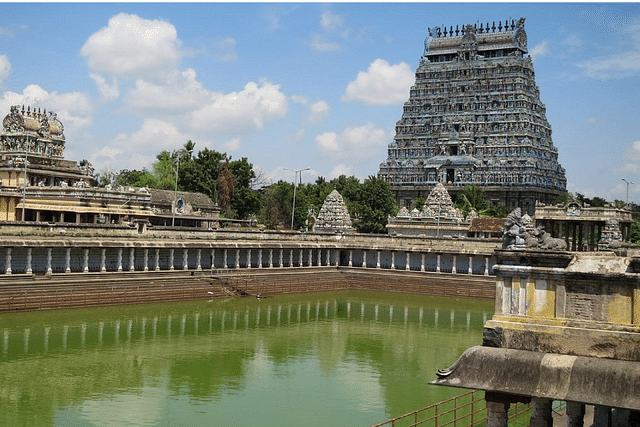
{"points": [[295, 179], [177, 155], [628, 188]]}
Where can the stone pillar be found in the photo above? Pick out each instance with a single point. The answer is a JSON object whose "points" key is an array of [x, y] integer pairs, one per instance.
{"points": [[378, 261], [329, 257], [146, 259], [364, 258], [497, 414], [185, 259], [291, 258], [224, 259], [319, 258], [49, 270], [237, 258], [103, 260], [29, 270], [213, 259], [541, 413], [310, 257], [270, 258], [67, 261], [37, 216], [486, 265], [61, 216], [171, 253], [300, 261], [407, 265], [350, 258], [132, 259], [470, 264], [393, 260], [199, 260], [85, 261], [77, 218], [157, 259], [422, 256], [438, 263], [281, 258], [336, 257], [260, 258], [248, 258], [601, 416], [453, 268], [575, 414]]}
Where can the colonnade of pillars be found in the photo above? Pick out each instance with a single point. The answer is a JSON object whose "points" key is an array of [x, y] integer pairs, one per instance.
{"points": [[231, 258], [581, 235], [541, 414]]}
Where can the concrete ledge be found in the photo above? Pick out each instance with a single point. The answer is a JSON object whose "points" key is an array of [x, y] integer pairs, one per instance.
{"points": [[590, 380]]}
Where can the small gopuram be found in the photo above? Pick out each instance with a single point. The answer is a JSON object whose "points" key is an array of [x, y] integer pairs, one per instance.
{"points": [[334, 216], [566, 328], [38, 185], [438, 217], [474, 116]]}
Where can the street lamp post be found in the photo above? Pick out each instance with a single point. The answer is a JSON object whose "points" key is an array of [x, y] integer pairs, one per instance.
{"points": [[628, 182], [295, 179], [175, 189]]}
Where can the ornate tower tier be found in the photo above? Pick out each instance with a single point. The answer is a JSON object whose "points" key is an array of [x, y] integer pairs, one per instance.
{"points": [[474, 116], [38, 133]]}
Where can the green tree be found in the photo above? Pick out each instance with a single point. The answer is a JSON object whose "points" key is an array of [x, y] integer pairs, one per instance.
{"points": [[419, 202], [471, 198], [276, 205], [201, 173], [563, 199], [134, 178], [496, 211], [225, 185], [374, 205]]}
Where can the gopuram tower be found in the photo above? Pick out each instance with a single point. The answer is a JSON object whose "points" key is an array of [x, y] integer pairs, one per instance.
{"points": [[474, 116]]}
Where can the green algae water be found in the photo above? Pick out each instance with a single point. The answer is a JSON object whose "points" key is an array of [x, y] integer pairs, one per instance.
{"points": [[321, 359]]}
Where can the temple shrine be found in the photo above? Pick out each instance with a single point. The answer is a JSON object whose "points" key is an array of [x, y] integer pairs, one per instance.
{"points": [[38, 185], [474, 116]]}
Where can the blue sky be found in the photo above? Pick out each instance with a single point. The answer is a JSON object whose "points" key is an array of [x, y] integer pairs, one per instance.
{"points": [[306, 85]]}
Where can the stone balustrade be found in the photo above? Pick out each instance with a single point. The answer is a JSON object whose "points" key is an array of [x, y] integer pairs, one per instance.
{"points": [[244, 250]]}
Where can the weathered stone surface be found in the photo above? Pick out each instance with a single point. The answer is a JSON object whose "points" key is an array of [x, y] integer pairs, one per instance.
{"points": [[544, 375]]}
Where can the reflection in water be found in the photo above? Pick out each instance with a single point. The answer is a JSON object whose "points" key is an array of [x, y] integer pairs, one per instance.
{"points": [[329, 359]]}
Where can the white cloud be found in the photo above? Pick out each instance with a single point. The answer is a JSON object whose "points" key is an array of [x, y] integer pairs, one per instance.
{"points": [[330, 21], [73, 108], [318, 111], [340, 170], [107, 91], [381, 84], [226, 50], [616, 66], [318, 42], [231, 145], [179, 91], [355, 145], [131, 46], [241, 112], [539, 50], [5, 68], [299, 99], [332, 28], [138, 150]]}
